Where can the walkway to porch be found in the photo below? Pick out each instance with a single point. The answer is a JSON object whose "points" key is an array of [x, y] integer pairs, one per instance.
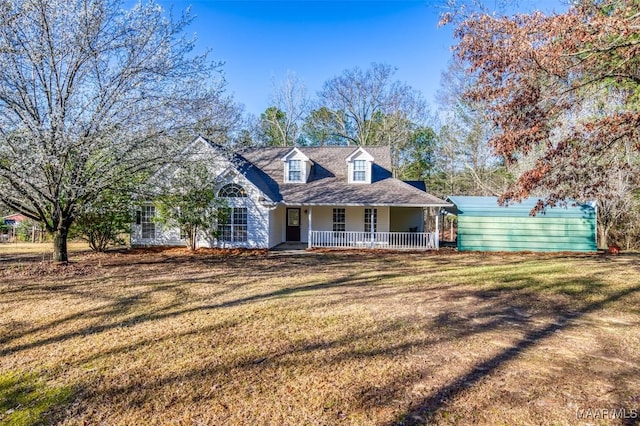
{"points": [[290, 246], [374, 240]]}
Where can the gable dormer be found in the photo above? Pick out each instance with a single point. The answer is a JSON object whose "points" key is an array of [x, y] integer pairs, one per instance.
{"points": [[297, 167], [359, 165]]}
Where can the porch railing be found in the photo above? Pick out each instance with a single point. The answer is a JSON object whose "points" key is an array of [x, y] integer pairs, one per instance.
{"points": [[376, 240]]}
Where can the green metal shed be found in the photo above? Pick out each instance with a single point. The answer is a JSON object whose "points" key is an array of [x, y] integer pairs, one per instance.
{"points": [[483, 225]]}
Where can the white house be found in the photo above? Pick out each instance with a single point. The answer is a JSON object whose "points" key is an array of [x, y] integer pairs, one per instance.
{"points": [[337, 196]]}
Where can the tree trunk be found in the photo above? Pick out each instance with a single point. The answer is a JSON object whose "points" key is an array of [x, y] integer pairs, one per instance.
{"points": [[603, 237], [60, 245], [191, 240]]}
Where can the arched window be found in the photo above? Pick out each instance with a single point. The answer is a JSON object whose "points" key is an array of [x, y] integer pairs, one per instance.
{"points": [[232, 190]]}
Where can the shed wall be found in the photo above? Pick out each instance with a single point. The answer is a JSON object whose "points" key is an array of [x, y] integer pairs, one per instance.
{"points": [[477, 233]]}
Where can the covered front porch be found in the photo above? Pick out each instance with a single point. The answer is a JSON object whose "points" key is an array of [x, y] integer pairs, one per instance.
{"points": [[359, 227], [375, 240]]}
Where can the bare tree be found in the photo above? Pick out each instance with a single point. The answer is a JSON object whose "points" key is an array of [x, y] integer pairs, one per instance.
{"points": [[621, 206], [370, 108], [221, 120], [282, 122], [465, 158], [90, 94]]}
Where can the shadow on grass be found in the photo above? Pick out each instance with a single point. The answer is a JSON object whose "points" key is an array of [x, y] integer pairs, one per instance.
{"points": [[504, 311], [524, 284], [425, 410], [172, 310], [502, 314], [505, 303]]}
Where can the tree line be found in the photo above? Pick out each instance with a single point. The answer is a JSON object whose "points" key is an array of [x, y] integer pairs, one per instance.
{"points": [[95, 99], [361, 107]]}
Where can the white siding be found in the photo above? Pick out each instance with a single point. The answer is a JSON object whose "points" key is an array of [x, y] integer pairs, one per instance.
{"points": [[276, 230], [322, 219], [383, 219], [257, 221], [163, 237], [257, 229], [257, 216], [266, 227], [354, 218]]}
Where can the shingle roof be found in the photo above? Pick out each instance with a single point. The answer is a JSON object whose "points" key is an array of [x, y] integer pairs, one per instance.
{"points": [[418, 184], [328, 183]]}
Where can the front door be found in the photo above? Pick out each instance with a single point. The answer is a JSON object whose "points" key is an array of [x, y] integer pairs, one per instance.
{"points": [[293, 224]]}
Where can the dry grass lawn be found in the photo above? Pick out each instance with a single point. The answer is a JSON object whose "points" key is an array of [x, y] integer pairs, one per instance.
{"points": [[169, 337]]}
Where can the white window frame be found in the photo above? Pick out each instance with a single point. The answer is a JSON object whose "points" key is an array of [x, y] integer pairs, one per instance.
{"points": [[293, 170], [232, 190], [337, 225], [147, 225], [367, 219], [360, 167], [296, 167], [359, 171], [236, 227]]}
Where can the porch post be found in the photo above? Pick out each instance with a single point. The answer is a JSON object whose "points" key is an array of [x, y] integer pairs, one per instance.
{"points": [[372, 230], [437, 229], [309, 227]]}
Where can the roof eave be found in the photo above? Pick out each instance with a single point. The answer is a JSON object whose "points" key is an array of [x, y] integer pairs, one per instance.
{"points": [[367, 204]]}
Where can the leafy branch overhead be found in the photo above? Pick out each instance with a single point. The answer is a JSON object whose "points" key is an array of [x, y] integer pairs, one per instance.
{"points": [[562, 91]]}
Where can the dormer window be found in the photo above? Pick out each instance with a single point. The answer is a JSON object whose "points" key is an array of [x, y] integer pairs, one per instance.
{"points": [[295, 171], [359, 171], [359, 166], [297, 167]]}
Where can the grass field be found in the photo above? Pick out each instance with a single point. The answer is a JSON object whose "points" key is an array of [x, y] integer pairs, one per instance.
{"points": [[169, 337]]}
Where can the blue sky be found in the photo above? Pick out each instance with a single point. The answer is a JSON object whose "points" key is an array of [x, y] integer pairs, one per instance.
{"points": [[260, 41]]}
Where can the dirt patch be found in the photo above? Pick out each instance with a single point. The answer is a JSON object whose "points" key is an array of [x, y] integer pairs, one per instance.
{"points": [[33, 268], [183, 251]]}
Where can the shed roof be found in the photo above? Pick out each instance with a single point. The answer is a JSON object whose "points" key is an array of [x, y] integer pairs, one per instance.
{"points": [[488, 206], [18, 217]]}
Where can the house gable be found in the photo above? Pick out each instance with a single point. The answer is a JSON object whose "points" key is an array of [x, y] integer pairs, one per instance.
{"points": [[230, 166], [246, 197]]}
